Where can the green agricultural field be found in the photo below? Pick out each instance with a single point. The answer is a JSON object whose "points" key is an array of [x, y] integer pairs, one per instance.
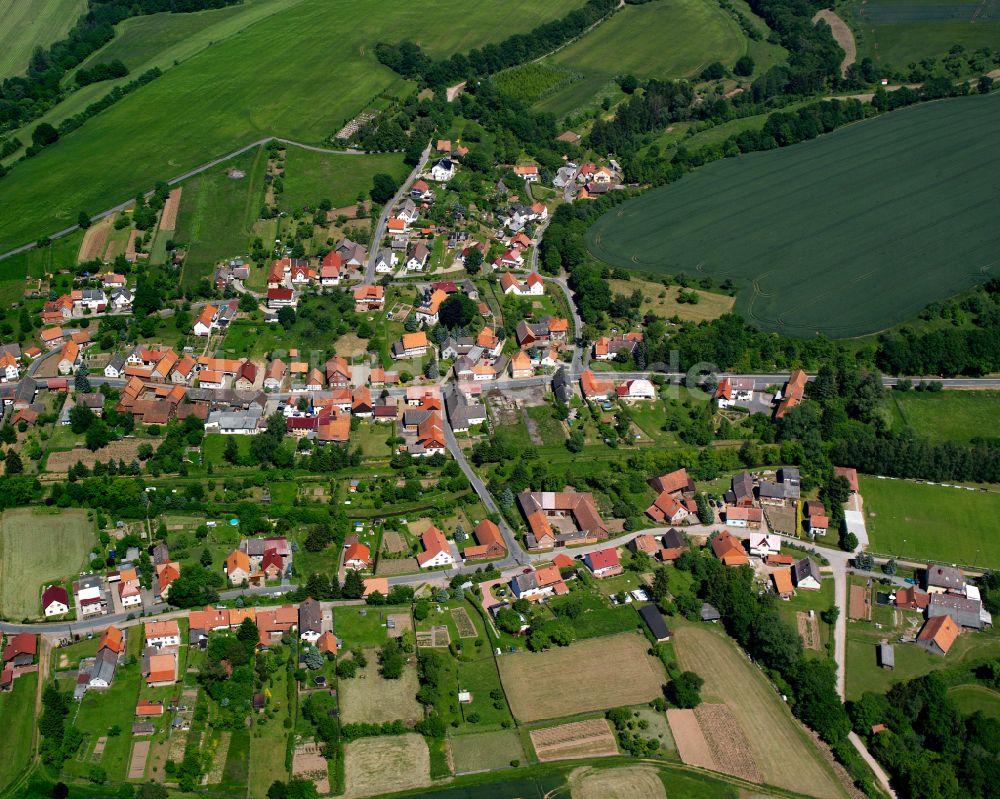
{"points": [[28, 24], [17, 708], [488, 750], [311, 177], [972, 697], [295, 85], [895, 33], [530, 82], [958, 416], [915, 520], [217, 213], [38, 546], [817, 235]]}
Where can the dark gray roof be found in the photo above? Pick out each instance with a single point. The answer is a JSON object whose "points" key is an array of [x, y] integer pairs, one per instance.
{"points": [[674, 539], [104, 666], [654, 621], [771, 491], [964, 612], [886, 657], [561, 385], [805, 568], [743, 486], [310, 616], [947, 577], [709, 613]]}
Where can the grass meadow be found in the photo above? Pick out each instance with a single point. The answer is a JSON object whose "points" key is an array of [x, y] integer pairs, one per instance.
{"points": [[784, 754], [487, 750], [37, 547], [17, 708], [958, 416], [27, 25], [971, 698], [817, 235], [941, 523], [895, 33], [709, 306], [295, 85], [217, 213], [311, 177]]}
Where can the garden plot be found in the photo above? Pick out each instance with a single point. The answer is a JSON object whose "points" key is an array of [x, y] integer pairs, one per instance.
{"points": [[578, 739]]}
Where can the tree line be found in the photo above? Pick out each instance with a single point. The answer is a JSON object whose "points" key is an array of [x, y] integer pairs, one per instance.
{"points": [[28, 96]]}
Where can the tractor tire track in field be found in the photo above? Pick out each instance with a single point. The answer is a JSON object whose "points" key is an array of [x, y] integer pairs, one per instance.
{"points": [[175, 180]]}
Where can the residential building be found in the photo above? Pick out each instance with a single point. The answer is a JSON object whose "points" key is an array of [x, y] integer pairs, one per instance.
{"points": [[162, 634], [538, 584], [806, 574], [489, 543], [55, 601], [603, 563], [574, 513], [310, 620], [744, 517], [782, 581], [436, 550], [944, 579], [764, 545], [729, 550], [357, 556], [938, 634]]}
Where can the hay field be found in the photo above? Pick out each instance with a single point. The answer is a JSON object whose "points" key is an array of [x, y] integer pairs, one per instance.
{"points": [[37, 547], [710, 305], [629, 782], [904, 518], [783, 753], [367, 697], [311, 177], [655, 40], [296, 86], [636, 677], [817, 235], [485, 750], [28, 24], [958, 416], [380, 765]]}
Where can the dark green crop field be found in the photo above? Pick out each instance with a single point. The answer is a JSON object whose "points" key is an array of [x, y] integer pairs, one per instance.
{"points": [[844, 235]]}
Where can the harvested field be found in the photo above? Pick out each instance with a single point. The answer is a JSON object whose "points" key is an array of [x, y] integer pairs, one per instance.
{"points": [[638, 677], [114, 249], [631, 782], [466, 629], [727, 742], [137, 765], [808, 630], [388, 568], [590, 738], [420, 526], [95, 240], [168, 220], [393, 542], [779, 745], [691, 743], [309, 763], [127, 448], [437, 636], [380, 765], [401, 623], [367, 697], [484, 751]]}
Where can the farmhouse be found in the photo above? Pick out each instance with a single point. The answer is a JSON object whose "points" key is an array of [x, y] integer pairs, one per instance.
{"points": [[735, 392], [944, 579], [160, 669], [21, 650], [793, 393], [358, 557], [963, 611], [741, 492], [534, 286], [764, 544], [593, 389], [744, 517], [670, 509], [729, 550], [574, 514], [938, 634], [436, 550], [163, 633], [490, 543]]}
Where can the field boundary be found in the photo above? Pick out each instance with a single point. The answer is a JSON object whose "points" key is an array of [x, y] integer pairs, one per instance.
{"points": [[175, 180]]}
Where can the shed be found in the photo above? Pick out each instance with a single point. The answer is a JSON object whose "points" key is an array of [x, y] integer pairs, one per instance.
{"points": [[886, 657], [654, 621], [709, 613]]}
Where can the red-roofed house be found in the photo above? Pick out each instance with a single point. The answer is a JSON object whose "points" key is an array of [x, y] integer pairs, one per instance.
{"points": [[436, 550], [55, 601], [604, 562], [357, 557], [490, 542]]}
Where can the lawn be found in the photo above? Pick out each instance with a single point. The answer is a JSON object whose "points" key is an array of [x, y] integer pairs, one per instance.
{"points": [[804, 601], [217, 213], [268, 740], [637, 677], [100, 711], [311, 177], [39, 546], [972, 697], [17, 707], [784, 754], [488, 750], [662, 301], [798, 221], [864, 674], [370, 698], [958, 416], [921, 521], [296, 85], [372, 439], [362, 626], [655, 40], [27, 25], [480, 677]]}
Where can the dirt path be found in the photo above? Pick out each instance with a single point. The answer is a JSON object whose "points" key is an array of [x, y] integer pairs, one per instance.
{"points": [[843, 35]]}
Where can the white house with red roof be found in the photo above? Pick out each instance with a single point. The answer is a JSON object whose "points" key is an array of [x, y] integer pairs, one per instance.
{"points": [[436, 550], [55, 601], [603, 563], [534, 286]]}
